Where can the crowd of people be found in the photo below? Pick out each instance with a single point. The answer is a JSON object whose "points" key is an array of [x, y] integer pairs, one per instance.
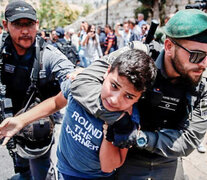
{"points": [[93, 42], [127, 115]]}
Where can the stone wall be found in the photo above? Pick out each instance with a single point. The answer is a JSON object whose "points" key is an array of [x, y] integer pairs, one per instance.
{"points": [[119, 10]]}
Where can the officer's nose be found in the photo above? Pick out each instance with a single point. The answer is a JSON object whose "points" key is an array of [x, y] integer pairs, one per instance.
{"points": [[25, 30]]}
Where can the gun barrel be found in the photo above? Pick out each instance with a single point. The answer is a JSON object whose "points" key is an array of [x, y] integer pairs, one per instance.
{"points": [[196, 6], [151, 32]]}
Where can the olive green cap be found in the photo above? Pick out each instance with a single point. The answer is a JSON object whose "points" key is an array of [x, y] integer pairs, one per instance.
{"points": [[187, 23]]}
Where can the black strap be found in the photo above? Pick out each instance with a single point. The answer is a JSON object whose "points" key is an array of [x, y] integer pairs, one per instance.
{"points": [[33, 93], [38, 60], [33, 90]]}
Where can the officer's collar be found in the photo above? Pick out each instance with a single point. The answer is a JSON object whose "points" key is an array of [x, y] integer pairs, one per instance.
{"points": [[160, 63]]}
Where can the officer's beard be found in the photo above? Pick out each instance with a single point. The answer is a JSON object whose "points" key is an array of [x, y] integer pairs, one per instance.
{"points": [[184, 77]]}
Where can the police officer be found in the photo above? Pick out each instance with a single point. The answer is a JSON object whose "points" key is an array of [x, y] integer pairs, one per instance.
{"points": [[173, 113], [60, 32], [19, 51]]}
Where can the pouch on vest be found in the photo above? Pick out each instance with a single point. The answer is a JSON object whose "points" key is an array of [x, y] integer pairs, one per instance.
{"points": [[35, 139]]}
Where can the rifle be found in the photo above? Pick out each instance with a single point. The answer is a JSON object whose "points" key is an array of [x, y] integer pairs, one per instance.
{"points": [[200, 4], [154, 46], [151, 32]]}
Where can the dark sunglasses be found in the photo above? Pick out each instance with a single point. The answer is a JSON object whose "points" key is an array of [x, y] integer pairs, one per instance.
{"points": [[196, 56]]}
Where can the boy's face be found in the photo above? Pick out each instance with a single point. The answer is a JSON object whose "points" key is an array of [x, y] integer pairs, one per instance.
{"points": [[118, 93]]}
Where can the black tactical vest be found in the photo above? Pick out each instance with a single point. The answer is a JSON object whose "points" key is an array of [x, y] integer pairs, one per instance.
{"points": [[16, 75], [164, 106]]}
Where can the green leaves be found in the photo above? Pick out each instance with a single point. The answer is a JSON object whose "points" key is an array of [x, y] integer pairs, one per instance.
{"points": [[53, 13]]}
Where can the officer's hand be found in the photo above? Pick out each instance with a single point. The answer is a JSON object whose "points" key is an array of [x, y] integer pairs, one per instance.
{"points": [[73, 74], [8, 128], [126, 140], [124, 131], [110, 133]]}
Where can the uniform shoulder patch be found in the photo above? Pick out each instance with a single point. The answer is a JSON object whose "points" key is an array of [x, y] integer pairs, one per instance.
{"points": [[203, 108]]}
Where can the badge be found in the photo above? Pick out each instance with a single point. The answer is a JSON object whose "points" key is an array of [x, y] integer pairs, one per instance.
{"points": [[169, 103], [9, 68]]}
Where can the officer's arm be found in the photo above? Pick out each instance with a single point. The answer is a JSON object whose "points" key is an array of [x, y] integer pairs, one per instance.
{"points": [[174, 143], [99, 47], [56, 64], [11, 126]]}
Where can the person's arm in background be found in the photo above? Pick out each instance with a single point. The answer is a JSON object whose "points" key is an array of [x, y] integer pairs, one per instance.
{"points": [[100, 54], [110, 43], [86, 39], [12, 125], [117, 30]]}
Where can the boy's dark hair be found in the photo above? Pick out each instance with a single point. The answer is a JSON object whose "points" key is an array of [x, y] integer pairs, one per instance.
{"points": [[137, 67]]}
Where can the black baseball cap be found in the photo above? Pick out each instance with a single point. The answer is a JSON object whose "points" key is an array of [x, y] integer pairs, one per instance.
{"points": [[18, 10], [59, 31]]}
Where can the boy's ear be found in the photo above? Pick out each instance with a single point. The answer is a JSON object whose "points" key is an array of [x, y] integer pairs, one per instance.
{"points": [[107, 72]]}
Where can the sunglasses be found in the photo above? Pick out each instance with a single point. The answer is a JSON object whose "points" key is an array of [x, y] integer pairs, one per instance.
{"points": [[196, 56]]}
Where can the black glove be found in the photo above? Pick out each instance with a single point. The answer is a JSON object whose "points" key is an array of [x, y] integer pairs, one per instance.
{"points": [[126, 140], [110, 133], [123, 133]]}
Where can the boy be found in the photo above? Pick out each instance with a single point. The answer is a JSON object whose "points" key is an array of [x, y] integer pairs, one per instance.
{"points": [[81, 135]]}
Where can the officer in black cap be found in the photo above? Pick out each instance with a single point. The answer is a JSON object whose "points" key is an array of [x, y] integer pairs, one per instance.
{"points": [[173, 114], [21, 50], [58, 37]]}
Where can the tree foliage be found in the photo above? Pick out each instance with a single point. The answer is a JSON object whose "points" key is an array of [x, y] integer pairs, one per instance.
{"points": [[87, 8], [53, 13], [152, 8]]}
